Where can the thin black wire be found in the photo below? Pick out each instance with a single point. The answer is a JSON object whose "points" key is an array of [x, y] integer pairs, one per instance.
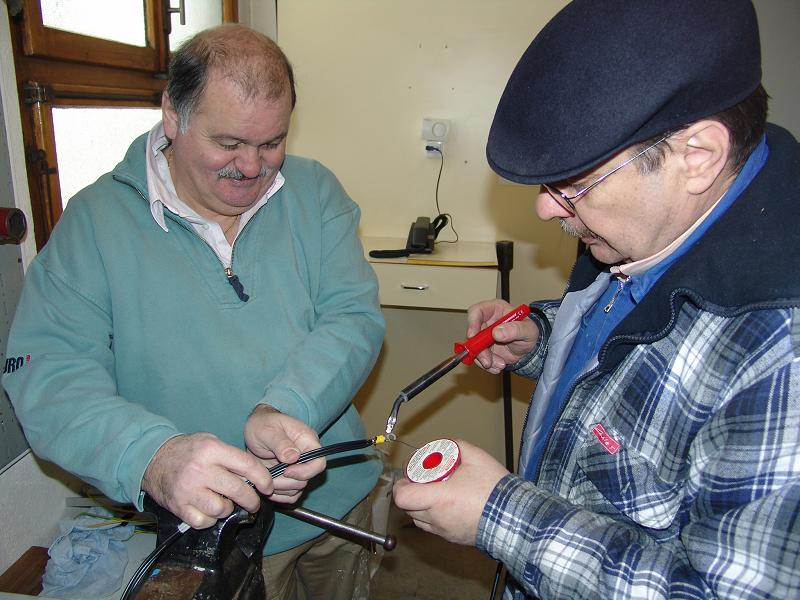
{"points": [[439, 210], [496, 582], [439, 178], [276, 471], [144, 568]]}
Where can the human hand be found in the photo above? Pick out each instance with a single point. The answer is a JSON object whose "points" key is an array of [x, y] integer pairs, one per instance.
{"points": [[452, 509], [274, 438], [512, 340], [198, 477]]}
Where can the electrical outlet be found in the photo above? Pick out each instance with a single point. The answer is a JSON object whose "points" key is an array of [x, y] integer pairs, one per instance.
{"points": [[433, 153]]}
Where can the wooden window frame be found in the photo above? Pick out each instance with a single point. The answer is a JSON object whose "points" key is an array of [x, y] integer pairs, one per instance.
{"points": [[47, 42], [59, 68]]}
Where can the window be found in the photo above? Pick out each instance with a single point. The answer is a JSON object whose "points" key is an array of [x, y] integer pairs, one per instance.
{"points": [[80, 131], [90, 75]]}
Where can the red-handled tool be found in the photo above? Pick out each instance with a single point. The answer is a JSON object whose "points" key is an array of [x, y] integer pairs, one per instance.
{"points": [[464, 352], [483, 339]]}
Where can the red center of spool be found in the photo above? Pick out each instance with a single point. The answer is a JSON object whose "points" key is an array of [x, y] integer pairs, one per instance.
{"points": [[432, 460]]}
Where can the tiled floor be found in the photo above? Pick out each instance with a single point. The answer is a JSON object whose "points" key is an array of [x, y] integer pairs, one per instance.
{"points": [[426, 567]]}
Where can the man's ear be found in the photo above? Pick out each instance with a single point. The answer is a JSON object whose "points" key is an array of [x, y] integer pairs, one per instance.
{"points": [[169, 116], [705, 154]]}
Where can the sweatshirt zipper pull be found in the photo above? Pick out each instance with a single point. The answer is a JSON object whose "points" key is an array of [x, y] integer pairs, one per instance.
{"points": [[237, 285], [623, 279]]}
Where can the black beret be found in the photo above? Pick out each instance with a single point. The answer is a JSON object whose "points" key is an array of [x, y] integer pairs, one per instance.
{"points": [[605, 74]]}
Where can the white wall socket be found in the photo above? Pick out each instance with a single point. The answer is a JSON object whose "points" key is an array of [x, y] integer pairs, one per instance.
{"points": [[433, 153]]}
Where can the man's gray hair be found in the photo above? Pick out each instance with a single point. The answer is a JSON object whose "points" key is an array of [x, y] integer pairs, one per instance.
{"points": [[746, 122], [255, 63]]}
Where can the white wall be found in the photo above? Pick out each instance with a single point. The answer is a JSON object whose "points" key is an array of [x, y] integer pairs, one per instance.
{"points": [[260, 15], [32, 495]]}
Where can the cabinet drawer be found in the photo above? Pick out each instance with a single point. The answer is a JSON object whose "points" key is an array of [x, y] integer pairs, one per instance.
{"points": [[424, 286]]}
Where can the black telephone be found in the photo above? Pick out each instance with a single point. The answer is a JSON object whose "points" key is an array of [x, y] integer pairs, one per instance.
{"points": [[421, 237]]}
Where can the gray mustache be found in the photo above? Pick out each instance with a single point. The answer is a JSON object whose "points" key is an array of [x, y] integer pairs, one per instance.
{"points": [[234, 173]]}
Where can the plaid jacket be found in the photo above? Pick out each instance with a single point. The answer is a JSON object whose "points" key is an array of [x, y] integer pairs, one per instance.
{"points": [[673, 470]]}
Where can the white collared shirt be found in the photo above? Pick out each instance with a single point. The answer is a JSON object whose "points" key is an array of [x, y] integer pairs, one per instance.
{"points": [[161, 193]]}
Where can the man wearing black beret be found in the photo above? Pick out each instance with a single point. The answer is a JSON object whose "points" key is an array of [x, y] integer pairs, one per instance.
{"points": [[661, 452]]}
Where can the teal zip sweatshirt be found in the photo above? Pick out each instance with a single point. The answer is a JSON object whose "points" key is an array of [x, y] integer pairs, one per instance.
{"points": [[131, 335]]}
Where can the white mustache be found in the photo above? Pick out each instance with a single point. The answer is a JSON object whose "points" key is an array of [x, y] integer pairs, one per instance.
{"points": [[573, 231]]}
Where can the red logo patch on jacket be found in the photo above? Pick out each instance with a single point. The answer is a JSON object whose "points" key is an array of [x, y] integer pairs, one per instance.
{"points": [[609, 443]]}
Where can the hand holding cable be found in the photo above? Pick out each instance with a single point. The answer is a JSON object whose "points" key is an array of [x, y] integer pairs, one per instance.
{"points": [[275, 437], [198, 477]]}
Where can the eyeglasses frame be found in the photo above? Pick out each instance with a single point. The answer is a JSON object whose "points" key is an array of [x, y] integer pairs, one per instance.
{"points": [[570, 204]]}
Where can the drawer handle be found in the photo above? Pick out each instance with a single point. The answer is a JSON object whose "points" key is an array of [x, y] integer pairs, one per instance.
{"points": [[420, 287]]}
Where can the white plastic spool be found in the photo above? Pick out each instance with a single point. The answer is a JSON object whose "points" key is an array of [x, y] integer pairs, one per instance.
{"points": [[435, 461]]}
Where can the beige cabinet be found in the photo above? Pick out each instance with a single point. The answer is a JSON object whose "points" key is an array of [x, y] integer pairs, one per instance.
{"points": [[453, 276]]}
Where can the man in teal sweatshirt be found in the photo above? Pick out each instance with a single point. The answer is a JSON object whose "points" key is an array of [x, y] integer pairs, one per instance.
{"points": [[204, 310]]}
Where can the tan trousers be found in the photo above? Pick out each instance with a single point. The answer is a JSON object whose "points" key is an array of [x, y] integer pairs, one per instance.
{"points": [[325, 568]]}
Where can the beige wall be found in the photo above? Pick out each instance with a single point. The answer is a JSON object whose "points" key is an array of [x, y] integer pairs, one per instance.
{"points": [[368, 72]]}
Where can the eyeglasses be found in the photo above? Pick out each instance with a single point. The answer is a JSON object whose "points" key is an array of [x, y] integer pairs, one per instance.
{"points": [[568, 202]]}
